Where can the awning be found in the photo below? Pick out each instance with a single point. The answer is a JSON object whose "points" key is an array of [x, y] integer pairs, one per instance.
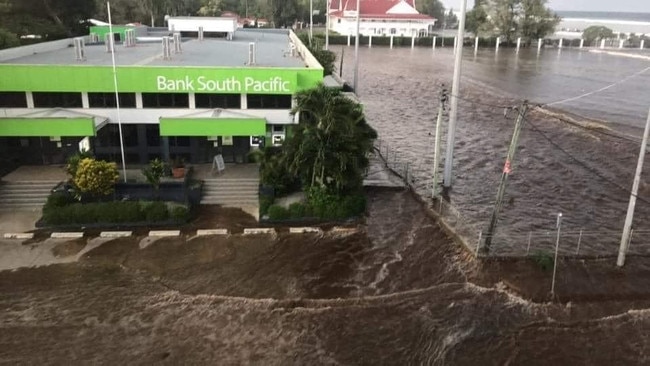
{"points": [[217, 122], [53, 122]]}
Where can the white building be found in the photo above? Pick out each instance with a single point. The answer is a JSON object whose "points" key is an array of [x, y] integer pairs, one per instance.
{"points": [[380, 18]]}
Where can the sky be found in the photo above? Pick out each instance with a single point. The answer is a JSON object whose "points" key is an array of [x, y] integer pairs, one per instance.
{"points": [[642, 6]]}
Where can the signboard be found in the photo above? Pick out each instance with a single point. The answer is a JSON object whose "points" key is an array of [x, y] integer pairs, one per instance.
{"points": [[218, 164], [257, 141], [156, 79]]}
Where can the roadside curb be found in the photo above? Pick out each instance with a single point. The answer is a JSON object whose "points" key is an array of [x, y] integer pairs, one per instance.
{"points": [[164, 233], [115, 234], [68, 235], [259, 231], [303, 230], [18, 236], [209, 232]]}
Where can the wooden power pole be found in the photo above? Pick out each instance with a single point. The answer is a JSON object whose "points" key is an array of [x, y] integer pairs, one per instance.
{"points": [[507, 169]]}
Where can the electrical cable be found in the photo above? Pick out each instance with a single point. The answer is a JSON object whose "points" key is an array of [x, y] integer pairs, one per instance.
{"points": [[496, 106], [598, 90], [584, 165]]}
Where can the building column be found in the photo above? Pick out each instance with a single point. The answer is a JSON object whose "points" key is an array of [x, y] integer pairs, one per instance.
{"points": [[244, 101], [30, 99], [192, 100], [85, 103], [138, 100], [143, 150]]}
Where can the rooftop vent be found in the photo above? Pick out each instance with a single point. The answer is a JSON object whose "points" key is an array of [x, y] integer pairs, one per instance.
{"points": [[177, 43], [94, 38], [251, 53], [200, 33], [129, 39], [80, 49], [166, 46], [109, 41]]}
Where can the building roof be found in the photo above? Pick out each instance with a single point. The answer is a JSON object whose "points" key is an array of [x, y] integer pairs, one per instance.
{"points": [[273, 50], [382, 9]]}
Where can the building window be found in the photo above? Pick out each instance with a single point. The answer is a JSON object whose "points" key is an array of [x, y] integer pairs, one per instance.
{"points": [[232, 101], [57, 100], [165, 100], [13, 100], [393, 31], [109, 135], [153, 135], [179, 141], [107, 100], [261, 101]]}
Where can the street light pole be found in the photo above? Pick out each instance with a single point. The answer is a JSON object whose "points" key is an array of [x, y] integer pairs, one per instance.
{"points": [[327, 26], [455, 91], [311, 20], [117, 94]]}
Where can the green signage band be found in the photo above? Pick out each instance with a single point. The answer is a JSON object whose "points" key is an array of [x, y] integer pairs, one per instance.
{"points": [[43, 127], [212, 126], [155, 79]]}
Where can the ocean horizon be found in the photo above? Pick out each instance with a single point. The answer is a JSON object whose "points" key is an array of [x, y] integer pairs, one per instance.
{"points": [[605, 15]]}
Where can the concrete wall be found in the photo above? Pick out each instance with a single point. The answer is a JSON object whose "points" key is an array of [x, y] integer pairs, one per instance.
{"points": [[192, 24], [302, 50], [23, 51]]}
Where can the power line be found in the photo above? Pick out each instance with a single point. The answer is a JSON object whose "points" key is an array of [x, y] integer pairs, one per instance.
{"points": [[496, 106], [599, 90], [584, 165]]}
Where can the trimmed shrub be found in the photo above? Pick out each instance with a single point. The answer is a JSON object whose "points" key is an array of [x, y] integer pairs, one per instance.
{"points": [[58, 199], [265, 203], [179, 213], [156, 211], [277, 212], [96, 177], [298, 210]]}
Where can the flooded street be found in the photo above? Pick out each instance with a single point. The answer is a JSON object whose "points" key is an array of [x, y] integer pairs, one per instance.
{"points": [[398, 291], [585, 175]]}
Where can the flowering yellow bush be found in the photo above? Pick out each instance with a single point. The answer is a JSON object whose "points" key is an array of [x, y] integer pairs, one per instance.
{"points": [[96, 177]]}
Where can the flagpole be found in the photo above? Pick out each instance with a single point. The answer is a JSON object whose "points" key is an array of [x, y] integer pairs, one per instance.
{"points": [[327, 26], [117, 95]]}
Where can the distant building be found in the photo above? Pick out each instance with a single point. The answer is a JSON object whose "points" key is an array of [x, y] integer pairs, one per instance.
{"points": [[380, 18]]}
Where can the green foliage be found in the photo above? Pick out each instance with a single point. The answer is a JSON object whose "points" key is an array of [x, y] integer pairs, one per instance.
{"points": [[327, 205], [265, 203], [8, 39], [179, 213], [156, 211], [326, 58], [284, 12], [274, 172], [277, 212], [596, 32], [58, 199], [434, 8], [58, 212], [544, 260], [96, 177], [154, 172], [73, 162], [298, 210], [530, 19]]}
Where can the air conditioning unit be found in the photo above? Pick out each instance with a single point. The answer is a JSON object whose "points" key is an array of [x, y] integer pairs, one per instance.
{"points": [[251, 53], [177, 43], [129, 38], [166, 48], [80, 49]]}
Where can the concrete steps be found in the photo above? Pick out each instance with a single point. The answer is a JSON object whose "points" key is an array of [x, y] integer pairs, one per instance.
{"points": [[30, 195], [230, 192]]}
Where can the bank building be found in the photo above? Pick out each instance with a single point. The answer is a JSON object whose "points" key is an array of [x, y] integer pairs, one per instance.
{"points": [[199, 88]]}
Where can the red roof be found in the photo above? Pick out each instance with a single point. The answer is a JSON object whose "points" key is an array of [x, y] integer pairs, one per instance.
{"points": [[374, 8]]}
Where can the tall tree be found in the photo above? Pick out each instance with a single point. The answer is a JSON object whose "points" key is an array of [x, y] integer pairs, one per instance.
{"points": [[530, 19], [537, 20], [284, 12], [433, 8]]}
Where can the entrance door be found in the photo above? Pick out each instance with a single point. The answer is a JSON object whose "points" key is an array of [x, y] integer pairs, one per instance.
{"points": [[234, 149]]}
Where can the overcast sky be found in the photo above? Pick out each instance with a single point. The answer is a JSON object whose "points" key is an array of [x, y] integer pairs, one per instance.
{"points": [[642, 6]]}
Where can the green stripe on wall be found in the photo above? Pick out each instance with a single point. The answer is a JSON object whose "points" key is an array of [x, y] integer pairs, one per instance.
{"points": [[43, 127], [212, 126]]}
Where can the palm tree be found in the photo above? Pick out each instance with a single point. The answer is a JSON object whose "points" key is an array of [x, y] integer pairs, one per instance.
{"points": [[330, 145]]}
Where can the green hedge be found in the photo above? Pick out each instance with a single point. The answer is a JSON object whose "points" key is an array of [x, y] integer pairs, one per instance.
{"points": [[321, 205], [59, 211]]}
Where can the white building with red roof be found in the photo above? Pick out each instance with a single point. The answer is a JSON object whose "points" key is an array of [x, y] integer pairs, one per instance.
{"points": [[380, 18]]}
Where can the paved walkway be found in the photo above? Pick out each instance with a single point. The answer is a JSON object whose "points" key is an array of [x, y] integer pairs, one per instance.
{"points": [[380, 176], [18, 221], [30, 173]]}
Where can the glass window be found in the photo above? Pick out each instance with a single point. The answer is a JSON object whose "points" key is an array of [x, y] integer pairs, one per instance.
{"points": [[179, 141], [165, 100], [153, 135], [107, 100], [57, 100], [260, 101], [232, 101], [13, 100]]}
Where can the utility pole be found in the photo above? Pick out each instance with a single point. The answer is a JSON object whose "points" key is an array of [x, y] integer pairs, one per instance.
{"points": [[625, 238], [455, 91], [436, 147], [311, 20], [507, 169], [558, 226], [356, 50]]}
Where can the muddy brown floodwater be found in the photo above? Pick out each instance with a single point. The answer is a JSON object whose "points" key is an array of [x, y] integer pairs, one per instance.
{"points": [[399, 89], [397, 292]]}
